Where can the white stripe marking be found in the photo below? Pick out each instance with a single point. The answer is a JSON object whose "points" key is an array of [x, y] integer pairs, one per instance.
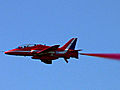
{"points": [[70, 44]]}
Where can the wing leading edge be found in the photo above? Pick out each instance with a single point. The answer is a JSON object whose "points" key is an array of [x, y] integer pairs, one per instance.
{"points": [[44, 51]]}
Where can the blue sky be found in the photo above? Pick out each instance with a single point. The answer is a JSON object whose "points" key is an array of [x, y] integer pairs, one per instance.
{"points": [[96, 24]]}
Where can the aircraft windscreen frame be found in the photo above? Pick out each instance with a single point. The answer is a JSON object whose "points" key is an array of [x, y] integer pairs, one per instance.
{"points": [[27, 45]]}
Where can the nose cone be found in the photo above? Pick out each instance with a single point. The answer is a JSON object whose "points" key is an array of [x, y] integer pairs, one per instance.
{"points": [[7, 52]]}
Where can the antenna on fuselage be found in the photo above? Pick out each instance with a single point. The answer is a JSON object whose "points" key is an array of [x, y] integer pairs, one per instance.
{"points": [[66, 60]]}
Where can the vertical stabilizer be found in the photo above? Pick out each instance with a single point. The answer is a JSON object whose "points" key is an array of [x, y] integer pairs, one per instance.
{"points": [[70, 44]]}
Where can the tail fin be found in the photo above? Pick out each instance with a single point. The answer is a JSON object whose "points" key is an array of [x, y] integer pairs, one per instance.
{"points": [[70, 44]]}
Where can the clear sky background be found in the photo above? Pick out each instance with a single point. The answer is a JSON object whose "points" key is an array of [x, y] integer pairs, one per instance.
{"points": [[96, 24]]}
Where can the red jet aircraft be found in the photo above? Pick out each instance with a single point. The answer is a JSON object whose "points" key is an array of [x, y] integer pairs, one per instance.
{"points": [[47, 53]]}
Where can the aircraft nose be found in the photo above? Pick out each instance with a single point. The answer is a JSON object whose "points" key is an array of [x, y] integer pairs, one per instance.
{"points": [[7, 52]]}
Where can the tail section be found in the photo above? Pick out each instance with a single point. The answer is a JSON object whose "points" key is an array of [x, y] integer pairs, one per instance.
{"points": [[70, 44]]}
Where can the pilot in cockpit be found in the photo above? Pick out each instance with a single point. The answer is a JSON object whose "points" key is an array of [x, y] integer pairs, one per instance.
{"points": [[19, 47]]}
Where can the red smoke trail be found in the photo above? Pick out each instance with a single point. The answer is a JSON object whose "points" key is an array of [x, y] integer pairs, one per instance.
{"points": [[104, 55]]}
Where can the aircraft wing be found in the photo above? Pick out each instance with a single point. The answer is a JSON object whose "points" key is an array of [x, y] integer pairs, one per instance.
{"points": [[45, 51]]}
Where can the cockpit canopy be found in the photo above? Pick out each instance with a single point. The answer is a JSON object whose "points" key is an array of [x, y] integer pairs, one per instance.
{"points": [[27, 45]]}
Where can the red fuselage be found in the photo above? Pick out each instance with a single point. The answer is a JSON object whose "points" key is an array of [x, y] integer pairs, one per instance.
{"points": [[47, 53], [51, 55]]}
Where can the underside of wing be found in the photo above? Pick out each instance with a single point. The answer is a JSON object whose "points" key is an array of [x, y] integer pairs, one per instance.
{"points": [[47, 61]]}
